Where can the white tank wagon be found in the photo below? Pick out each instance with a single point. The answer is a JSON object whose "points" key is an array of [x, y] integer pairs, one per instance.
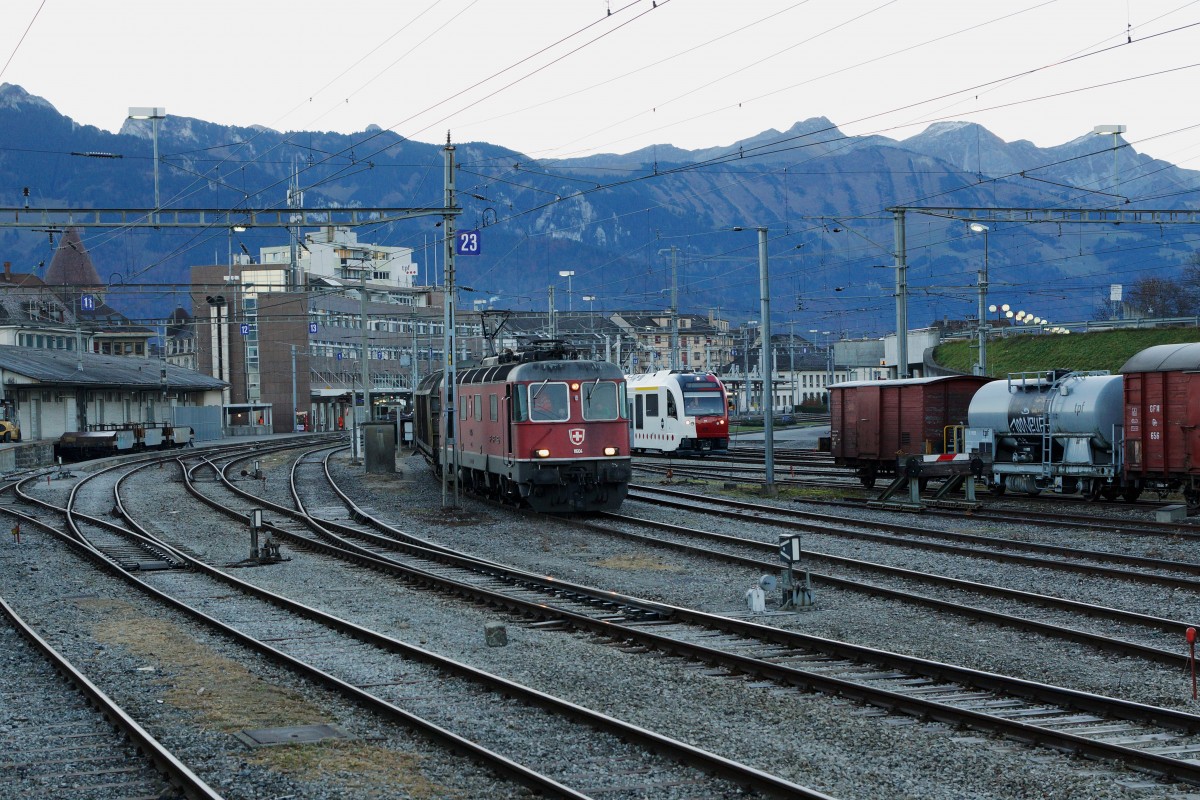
{"points": [[1059, 431]]}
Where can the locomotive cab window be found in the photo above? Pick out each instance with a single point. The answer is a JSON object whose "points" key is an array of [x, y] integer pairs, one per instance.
{"points": [[600, 400], [672, 409], [520, 406], [548, 402]]}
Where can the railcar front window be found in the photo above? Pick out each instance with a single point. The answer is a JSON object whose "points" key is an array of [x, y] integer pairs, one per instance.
{"points": [[600, 401], [698, 405], [548, 402]]}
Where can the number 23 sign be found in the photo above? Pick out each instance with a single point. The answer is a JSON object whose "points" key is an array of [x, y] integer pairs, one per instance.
{"points": [[468, 243]]}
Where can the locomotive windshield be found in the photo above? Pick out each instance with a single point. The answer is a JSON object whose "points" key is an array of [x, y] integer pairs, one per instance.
{"points": [[548, 402], [600, 400], [709, 403]]}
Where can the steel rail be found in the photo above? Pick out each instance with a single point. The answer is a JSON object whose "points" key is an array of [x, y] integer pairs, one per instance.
{"points": [[1105, 643], [174, 770], [687, 754], [1110, 707], [824, 523]]}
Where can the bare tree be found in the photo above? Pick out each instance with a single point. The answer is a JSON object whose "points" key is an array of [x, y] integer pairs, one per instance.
{"points": [[1155, 296]]}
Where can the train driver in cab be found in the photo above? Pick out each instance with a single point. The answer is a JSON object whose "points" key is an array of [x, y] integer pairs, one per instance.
{"points": [[549, 403]]}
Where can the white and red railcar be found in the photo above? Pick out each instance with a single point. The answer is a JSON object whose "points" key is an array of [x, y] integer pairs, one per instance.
{"points": [[683, 413], [541, 427]]}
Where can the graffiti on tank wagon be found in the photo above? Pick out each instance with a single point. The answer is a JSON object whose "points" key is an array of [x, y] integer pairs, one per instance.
{"points": [[1028, 424]]}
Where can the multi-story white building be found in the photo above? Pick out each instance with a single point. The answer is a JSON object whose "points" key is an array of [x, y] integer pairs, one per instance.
{"points": [[334, 252]]}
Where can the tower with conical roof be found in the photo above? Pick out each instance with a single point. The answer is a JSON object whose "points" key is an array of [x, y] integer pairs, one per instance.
{"points": [[71, 265]]}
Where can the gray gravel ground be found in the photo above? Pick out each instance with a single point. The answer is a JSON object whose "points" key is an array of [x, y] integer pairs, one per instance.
{"points": [[826, 743], [840, 748]]}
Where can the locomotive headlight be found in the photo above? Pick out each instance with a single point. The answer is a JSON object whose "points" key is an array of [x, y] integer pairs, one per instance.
{"points": [[574, 387], [541, 453], [610, 451]]}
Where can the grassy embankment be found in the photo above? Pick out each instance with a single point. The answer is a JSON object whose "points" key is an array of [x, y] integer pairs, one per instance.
{"points": [[1101, 350]]}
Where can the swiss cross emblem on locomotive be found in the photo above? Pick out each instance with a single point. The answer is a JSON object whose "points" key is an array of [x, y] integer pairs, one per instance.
{"points": [[577, 435]]}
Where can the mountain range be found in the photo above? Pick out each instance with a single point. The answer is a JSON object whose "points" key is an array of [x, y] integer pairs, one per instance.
{"points": [[620, 221]]}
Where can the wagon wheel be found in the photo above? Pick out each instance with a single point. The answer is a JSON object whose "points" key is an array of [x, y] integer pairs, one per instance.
{"points": [[866, 476], [1110, 492], [998, 487], [1130, 494], [1192, 498], [1093, 490]]}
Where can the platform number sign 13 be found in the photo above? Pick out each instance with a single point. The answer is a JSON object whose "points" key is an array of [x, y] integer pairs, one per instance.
{"points": [[468, 243]]}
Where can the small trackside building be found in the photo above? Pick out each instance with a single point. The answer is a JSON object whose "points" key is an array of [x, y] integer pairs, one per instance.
{"points": [[52, 392]]}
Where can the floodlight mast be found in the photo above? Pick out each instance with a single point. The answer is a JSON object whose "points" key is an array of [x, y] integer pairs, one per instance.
{"points": [[981, 366]]}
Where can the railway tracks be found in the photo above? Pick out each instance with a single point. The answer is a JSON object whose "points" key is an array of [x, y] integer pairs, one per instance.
{"points": [[1063, 719], [91, 747], [484, 718], [739, 651]]}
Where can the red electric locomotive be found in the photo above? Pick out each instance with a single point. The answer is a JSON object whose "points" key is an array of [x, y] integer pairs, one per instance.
{"points": [[540, 427]]}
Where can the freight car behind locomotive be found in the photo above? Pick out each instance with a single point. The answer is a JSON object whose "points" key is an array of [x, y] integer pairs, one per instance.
{"points": [[541, 428], [872, 423]]}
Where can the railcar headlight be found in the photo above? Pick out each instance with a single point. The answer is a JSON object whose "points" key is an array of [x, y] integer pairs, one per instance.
{"points": [[541, 453], [610, 451]]}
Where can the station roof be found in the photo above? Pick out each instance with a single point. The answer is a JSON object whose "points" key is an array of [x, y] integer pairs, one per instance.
{"points": [[60, 368]]}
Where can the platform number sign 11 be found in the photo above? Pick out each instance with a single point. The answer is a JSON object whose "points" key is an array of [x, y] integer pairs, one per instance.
{"points": [[468, 243]]}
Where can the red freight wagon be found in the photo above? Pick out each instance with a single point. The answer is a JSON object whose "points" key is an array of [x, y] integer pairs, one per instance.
{"points": [[1162, 420], [874, 422]]}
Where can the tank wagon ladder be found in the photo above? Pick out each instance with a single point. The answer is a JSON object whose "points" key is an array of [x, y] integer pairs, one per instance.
{"points": [[1057, 384]]}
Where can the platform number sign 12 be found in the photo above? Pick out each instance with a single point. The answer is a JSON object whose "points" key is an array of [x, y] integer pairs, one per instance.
{"points": [[468, 243]]}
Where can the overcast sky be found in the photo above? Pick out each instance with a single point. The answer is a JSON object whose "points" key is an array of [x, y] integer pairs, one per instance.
{"points": [[567, 77]]}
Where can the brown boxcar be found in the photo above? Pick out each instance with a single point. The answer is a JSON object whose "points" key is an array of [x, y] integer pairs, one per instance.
{"points": [[1162, 420], [873, 423]]}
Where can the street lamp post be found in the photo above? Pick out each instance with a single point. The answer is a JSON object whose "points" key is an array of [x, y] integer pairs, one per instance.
{"points": [[568, 274], [589, 299], [154, 114], [981, 366], [1115, 130]]}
